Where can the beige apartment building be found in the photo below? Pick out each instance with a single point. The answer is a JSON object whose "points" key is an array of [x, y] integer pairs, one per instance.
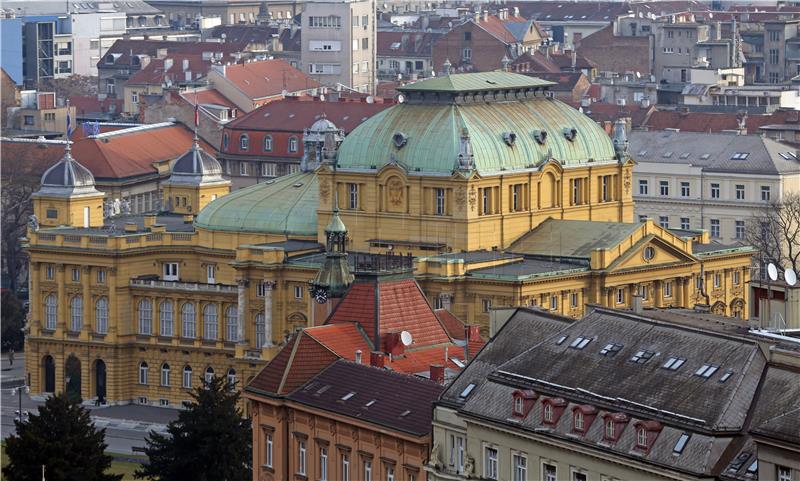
{"points": [[338, 44], [716, 182]]}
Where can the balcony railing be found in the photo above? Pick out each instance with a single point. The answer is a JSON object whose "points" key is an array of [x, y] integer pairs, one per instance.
{"points": [[183, 286]]}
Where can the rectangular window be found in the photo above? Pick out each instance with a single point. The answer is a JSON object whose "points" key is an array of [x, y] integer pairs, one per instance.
{"points": [[268, 169], [773, 56], [774, 35], [663, 221], [487, 305], [549, 472], [389, 473], [579, 476], [355, 44], [735, 278], [485, 200], [298, 292], [715, 228], [323, 464], [643, 188], [667, 289], [520, 466], [440, 202], [301, 458], [715, 191], [242, 168], [516, 198], [740, 229], [467, 36], [352, 190], [685, 224], [717, 281], [620, 296], [210, 273], [367, 470], [784, 473], [76, 275], [170, 271], [553, 302], [765, 193], [577, 191], [739, 192], [466, 55], [49, 271], [459, 454], [365, 43], [269, 445], [663, 187], [573, 300], [101, 276], [685, 190], [643, 290], [490, 463], [605, 188]]}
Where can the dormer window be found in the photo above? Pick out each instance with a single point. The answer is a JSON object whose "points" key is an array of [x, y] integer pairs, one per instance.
{"points": [[519, 404], [641, 438], [610, 429], [552, 408], [578, 421], [547, 414], [582, 417], [523, 402], [646, 434], [614, 424]]}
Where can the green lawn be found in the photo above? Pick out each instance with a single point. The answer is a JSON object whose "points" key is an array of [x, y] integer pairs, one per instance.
{"points": [[125, 468]]}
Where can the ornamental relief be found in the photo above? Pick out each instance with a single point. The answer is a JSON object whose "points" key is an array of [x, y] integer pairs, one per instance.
{"points": [[461, 198], [395, 190], [473, 198]]}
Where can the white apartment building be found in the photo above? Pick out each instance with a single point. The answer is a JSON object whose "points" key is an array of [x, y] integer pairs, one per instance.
{"points": [[716, 182], [338, 46]]}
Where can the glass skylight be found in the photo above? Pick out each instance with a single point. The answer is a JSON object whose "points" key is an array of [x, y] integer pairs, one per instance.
{"points": [[674, 363], [580, 342], [467, 391], [678, 449], [642, 357], [611, 349], [706, 370]]}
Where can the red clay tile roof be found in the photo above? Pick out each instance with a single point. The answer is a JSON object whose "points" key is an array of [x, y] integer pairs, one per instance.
{"points": [[294, 114], [402, 307], [552, 11], [89, 104], [268, 78], [603, 48], [133, 153], [497, 28], [453, 325], [564, 61], [534, 61], [122, 50], [155, 73], [208, 96], [606, 112], [342, 338], [716, 122], [401, 402], [420, 361]]}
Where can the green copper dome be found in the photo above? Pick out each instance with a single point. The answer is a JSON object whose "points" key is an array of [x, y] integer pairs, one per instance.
{"points": [[500, 121], [286, 206]]}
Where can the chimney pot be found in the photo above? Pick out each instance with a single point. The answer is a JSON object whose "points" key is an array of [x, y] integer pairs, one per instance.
{"points": [[437, 373], [358, 356], [376, 359]]}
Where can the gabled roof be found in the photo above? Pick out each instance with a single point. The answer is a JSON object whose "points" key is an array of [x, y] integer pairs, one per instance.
{"points": [[392, 44], [207, 97], [534, 61], [401, 306], [268, 78], [570, 11], [155, 72], [619, 54], [90, 104], [398, 402], [122, 49], [294, 114], [717, 121]]}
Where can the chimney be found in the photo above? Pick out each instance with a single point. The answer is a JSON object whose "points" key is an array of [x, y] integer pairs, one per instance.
{"points": [[149, 220], [574, 59], [376, 359], [131, 227], [486, 15], [167, 64], [437, 373], [473, 332], [185, 64], [358, 356], [516, 11]]}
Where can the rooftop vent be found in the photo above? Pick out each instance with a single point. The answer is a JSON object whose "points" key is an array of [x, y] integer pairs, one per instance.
{"points": [[509, 138], [570, 133], [540, 136]]}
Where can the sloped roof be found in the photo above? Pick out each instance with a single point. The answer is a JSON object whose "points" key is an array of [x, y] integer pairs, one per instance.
{"points": [[777, 415], [207, 97], [294, 114], [394, 43], [475, 82], [570, 11], [343, 338], [401, 306], [454, 326], [89, 104], [717, 121], [536, 62], [155, 72], [572, 238], [122, 49], [268, 78], [608, 112], [401, 402], [620, 54]]}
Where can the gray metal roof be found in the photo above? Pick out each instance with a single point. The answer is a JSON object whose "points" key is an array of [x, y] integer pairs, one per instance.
{"points": [[530, 267], [572, 238], [713, 152]]}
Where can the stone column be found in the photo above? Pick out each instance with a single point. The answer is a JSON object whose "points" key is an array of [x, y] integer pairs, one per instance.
{"points": [[34, 315], [111, 278], [240, 309], [268, 287]]}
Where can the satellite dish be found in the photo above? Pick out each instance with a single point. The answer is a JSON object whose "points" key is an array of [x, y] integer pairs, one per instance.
{"points": [[322, 97], [790, 276], [406, 338], [400, 99], [370, 99], [772, 271]]}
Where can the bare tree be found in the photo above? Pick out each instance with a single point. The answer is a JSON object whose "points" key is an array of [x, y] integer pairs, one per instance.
{"points": [[69, 86], [18, 184], [775, 232]]}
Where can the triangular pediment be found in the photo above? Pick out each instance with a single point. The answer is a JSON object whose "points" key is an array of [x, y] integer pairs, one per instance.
{"points": [[650, 252]]}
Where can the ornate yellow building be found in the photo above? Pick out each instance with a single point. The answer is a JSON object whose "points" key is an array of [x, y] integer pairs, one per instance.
{"points": [[504, 196]]}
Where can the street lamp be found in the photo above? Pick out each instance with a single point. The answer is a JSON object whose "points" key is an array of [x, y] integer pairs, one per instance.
{"points": [[17, 391]]}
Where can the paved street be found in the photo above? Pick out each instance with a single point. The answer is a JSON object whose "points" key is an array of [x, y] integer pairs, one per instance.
{"points": [[126, 426]]}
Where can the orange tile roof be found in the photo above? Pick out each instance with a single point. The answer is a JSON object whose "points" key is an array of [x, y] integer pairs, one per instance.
{"points": [[342, 338], [125, 154], [155, 72], [412, 362], [302, 358], [268, 78], [208, 96], [455, 328]]}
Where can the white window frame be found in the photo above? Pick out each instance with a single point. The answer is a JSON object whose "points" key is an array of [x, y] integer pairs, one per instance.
{"points": [[323, 464], [165, 375], [292, 144], [145, 317], [186, 377], [232, 323], [352, 189], [270, 445], [301, 457], [101, 315], [440, 201], [211, 271], [210, 322], [143, 368], [491, 458], [166, 316], [171, 271], [242, 168], [188, 321], [548, 476], [519, 466]]}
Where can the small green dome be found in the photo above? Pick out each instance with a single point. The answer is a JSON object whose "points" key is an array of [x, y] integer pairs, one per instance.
{"points": [[286, 205], [504, 121]]}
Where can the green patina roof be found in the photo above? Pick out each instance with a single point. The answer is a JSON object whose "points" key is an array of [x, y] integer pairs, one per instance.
{"points": [[472, 82], [287, 206], [434, 132]]}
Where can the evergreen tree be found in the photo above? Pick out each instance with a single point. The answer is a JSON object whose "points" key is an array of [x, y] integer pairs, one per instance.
{"points": [[63, 439], [210, 440]]}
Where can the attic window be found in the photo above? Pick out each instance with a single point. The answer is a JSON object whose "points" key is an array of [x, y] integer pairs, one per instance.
{"points": [[706, 370], [641, 357], [667, 155], [370, 403], [705, 156], [678, 449], [467, 391], [685, 155], [509, 138], [580, 342], [726, 376], [399, 139], [540, 136], [323, 389], [561, 340], [570, 133], [740, 156], [611, 349], [674, 363], [347, 396], [405, 413]]}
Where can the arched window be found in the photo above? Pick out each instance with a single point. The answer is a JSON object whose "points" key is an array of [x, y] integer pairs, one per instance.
{"points": [[145, 317], [142, 372], [578, 424], [548, 413], [165, 374], [610, 429], [142, 21], [210, 322], [50, 309], [261, 335], [232, 322], [189, 321], [244, 142], [101, 315], [76, 308], [209, 374], [225, 141], [165, 314], [231, 379], [292, 144], [267, 143], [187, 377]]}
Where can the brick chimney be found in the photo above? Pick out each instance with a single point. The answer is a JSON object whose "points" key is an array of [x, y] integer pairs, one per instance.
{"points": [[473, 332], [437, 373], [376, 359]]}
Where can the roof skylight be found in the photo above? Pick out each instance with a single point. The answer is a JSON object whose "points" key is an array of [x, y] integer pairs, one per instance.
{"points": [[580, 342], [642, 357], [685, 155], [740, 156], [753, 468], [611, 349], [674, 363], [705, 156], [405, 413], [348, 396], [370, 403], [678, 449], [726, 376], [467, 391], [561, 340], [706, 370]]}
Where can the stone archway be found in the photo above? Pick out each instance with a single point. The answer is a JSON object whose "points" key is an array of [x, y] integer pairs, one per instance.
{"points": [[48, 374], [99, 371], [72, 377], [737, 308], [719, 308]]}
